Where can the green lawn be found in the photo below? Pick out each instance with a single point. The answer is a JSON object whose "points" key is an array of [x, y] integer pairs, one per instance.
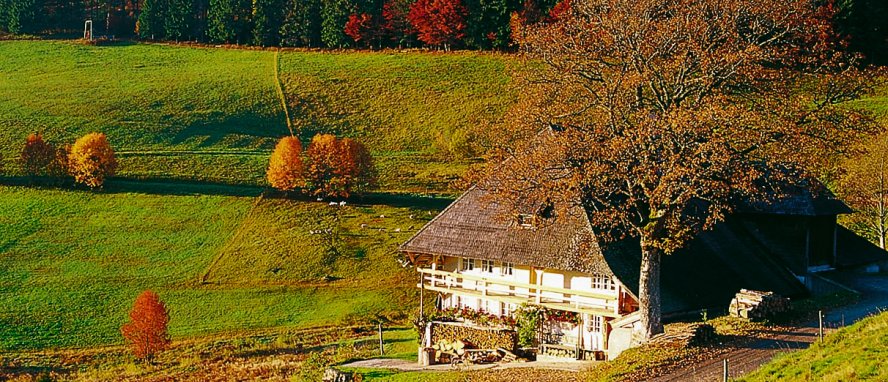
{"points": [[213, 114], [854, 353], [72, 262]]}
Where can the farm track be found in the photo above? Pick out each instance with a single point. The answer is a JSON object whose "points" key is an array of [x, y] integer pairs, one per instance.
{"points": [[756, 353]]}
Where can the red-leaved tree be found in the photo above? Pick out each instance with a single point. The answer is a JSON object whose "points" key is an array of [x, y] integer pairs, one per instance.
{"points": [[37, 155], [396, 27], [439, 22], [146, 332], [338, 167], [363, 28]]}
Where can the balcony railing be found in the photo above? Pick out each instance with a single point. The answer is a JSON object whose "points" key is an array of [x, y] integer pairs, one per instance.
{"points": [[515, 292]]}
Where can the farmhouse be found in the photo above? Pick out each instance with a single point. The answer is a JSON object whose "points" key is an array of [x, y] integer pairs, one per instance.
{"points": [[478, 255]]}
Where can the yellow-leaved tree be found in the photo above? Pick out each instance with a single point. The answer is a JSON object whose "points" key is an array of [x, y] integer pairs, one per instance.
{"points": [[92, 160], [285, 170]]}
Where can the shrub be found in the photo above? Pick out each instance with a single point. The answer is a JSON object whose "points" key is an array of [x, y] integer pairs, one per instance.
{"points": [[92, 160], [285, 169], [36, 156], [146, 332], [338, 167]]}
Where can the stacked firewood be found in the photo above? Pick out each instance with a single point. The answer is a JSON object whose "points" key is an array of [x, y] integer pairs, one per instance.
{"points": [[756, 305], [684, 335], [481, 338]]}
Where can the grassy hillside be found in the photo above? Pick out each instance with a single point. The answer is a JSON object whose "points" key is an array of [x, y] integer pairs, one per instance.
{"points": [[854, 353], [74, 261], [214, 114]]}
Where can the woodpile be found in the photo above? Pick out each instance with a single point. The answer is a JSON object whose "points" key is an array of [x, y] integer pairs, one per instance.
{"points": [[479, 338], [445, 351], [685, 335], [756, 305]]}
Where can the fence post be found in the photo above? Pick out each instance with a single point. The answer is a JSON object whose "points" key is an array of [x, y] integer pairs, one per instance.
{"points": [[381, 349], [725, 371], [820, 326]]}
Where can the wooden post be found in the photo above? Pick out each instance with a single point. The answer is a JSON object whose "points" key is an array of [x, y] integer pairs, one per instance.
{"points": [[820, 326], [421, 293], [725, 371], [381, 350]]}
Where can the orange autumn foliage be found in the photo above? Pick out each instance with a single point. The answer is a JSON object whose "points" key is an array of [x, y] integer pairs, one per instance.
{"points": [[146, 332], [92, 160], [338, 168], [285, 169], [37, 155]]}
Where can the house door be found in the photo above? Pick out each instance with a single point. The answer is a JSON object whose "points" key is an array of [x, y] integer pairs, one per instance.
{"points": [[593, 332]]}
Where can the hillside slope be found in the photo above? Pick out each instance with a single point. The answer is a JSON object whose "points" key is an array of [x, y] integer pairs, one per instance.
{"points": [[854, 353], [213, 114]]}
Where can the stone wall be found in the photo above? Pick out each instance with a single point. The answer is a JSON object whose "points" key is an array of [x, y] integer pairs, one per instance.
{"points": [[478, 337]]}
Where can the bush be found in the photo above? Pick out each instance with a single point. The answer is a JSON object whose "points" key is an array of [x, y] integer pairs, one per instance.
{"points": [[36, 156], [146, 333], [338, 167], [92, 160], [285, 169]]}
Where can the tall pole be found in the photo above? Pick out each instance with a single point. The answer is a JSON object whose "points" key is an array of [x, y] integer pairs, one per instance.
{"points": [[381, 350], [820, 325], [725, 371]]}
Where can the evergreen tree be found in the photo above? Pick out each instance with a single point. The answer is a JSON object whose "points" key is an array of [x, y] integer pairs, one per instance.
{"points": [[228, 21], [488, 24], [179, 16], [151, 19], [334, 15], [302, 23], [20, 16], [267, 20]]}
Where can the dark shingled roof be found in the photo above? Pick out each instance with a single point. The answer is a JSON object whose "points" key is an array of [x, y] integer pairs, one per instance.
{"points": [[709, 271], [474, 227], [801, 202], [853, 250]]}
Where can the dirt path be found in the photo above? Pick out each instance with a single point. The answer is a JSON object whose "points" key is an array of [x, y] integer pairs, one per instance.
{"points": [[874, 297], [404, 365]]}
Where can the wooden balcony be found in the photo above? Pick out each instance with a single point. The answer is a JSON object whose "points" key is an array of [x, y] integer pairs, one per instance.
{"points": [[514, 292]]}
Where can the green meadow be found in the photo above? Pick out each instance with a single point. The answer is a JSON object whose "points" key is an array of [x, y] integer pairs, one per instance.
{"points": [[73, 261], [213, 115]]}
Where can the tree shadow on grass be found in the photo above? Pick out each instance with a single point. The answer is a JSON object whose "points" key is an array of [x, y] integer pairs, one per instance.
{"points": [[175, 187]]}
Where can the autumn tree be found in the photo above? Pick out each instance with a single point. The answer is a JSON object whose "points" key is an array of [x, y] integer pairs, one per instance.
{"points": [[37, 156], [338, 167], [92, 160], [396, 27], [285, 170], [658, 118], [439, 22], [865, 188], [362, 28], [146, 332]]}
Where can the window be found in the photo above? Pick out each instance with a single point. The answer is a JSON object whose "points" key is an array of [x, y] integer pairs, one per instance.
{"points": [[506, 269], [595, 324], [602, 282], [487, 266], [468, 264]]}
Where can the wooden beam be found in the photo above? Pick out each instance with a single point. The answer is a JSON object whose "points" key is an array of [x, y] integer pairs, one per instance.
{"points": [[529, 287], [520, 300]]}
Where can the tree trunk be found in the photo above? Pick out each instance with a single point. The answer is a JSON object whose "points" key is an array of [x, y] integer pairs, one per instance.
{"points": [[649, 292]]}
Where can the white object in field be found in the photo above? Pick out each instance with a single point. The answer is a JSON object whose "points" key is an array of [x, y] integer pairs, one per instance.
{"points": [[88, 30], [334, 204], [342, 203]]}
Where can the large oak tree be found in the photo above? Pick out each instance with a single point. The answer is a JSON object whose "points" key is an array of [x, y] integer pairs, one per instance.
{"points": [[660, 117]]}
